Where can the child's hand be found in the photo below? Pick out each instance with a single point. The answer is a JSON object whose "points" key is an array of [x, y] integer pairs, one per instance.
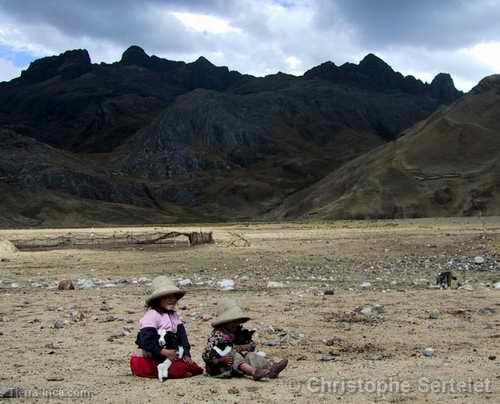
{"points": [[169, 354], [187, 359], [226, 360]]}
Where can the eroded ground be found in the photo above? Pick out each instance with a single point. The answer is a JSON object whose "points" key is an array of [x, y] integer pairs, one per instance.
{"points": [[324, 336]]}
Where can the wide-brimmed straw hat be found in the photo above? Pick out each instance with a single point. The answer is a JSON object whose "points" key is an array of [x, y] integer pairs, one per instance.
{"points": [[163, 286], [229, 310]]}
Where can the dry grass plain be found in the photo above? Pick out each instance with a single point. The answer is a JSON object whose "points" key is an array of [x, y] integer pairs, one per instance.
{"points": [[399, 259]]}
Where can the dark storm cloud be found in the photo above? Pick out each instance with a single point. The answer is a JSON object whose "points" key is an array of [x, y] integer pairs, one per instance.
{"points": [[121, 21], [439, 24]]}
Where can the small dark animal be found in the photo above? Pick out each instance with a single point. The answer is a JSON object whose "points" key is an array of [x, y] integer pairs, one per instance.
{"points": [[171, 340], [244, 337], [444, 279]]}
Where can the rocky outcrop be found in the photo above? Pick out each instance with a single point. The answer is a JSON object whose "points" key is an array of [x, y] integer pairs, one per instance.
{"points": [[69, 65], [373, 73]]}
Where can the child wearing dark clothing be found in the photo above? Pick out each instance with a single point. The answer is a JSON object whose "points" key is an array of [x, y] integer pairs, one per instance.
{"points": [[162, 338], [230, 350]]}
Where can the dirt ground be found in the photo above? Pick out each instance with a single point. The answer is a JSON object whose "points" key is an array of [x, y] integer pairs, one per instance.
{"points": [[326, 337]]}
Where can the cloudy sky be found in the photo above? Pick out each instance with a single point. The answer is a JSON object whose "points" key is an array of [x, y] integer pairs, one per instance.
{"points": [[260, 37]]}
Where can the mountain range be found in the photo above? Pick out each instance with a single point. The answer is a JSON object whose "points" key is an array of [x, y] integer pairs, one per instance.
{"points": [[149, 140]]}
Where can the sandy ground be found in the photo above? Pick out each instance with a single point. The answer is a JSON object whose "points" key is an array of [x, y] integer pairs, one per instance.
{"points": [[398, 258]]}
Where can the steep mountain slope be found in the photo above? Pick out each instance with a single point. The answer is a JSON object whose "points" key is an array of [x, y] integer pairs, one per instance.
{"points": [[68, 102], [446, 165]]}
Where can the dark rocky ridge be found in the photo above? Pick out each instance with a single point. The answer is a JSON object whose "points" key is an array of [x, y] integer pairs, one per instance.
{"points": [[187, 140]]}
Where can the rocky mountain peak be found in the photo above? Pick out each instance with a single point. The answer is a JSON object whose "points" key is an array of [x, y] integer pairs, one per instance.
{"points": [[203, 61], [442, 87], [135, 55], [373, 65], [68, 65]]}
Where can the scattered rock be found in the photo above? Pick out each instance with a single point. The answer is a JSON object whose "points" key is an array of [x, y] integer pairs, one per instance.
{"points": [[479, 260], [233, 390], [85, 284], [206, 317], [77, 316], [59, 324], [66, 284], [366, 311], [126, 331], [327, 358], [492, 357], [273, 284], [428, 352], [365, 285], [226, 284], [184, 282], [434, 314], [329, 292]]}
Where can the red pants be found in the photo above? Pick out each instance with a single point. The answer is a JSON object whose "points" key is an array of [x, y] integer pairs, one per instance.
{"points": [[147, 367]]}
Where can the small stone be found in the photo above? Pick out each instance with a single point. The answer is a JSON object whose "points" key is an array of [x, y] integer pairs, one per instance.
{"points": [[184, 282], [301, 358], [479, 260], [66, 284], [327, 358], [55, 379], [206, 317], [126, 331], [274, 284], [85, 284], [233, 390], [226, 284], [428, 352], [434, 315], [59, 324], [329, 292], [366, 311], [77, 316], [492, 357], [365, 285]]}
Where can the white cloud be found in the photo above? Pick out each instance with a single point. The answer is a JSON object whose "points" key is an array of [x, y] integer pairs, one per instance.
{"points": [[8, 70], [488, 54], [204, 23]]}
